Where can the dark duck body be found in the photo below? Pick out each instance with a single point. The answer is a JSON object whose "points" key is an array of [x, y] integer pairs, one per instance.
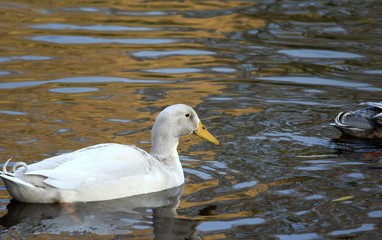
{"points": [[362, 123]]}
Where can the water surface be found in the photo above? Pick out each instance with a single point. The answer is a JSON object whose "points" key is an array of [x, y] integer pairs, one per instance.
{"points": [[266, 78]]}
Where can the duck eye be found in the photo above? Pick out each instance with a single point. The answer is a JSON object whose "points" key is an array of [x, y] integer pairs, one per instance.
{"points": [[187, 115]]}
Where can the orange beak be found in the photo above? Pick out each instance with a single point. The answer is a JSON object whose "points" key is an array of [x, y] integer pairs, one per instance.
{"points": [[203, 133]]}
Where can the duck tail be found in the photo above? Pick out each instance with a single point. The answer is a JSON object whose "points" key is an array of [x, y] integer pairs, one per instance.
{"points": [[340, 118], [5, 167], [15, 168]]}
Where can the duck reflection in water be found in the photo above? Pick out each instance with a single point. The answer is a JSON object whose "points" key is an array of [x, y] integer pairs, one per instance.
{"points": [[154, 212]]}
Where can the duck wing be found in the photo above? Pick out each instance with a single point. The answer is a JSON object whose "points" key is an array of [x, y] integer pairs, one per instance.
{"points": [[376, 110], [97, 163]]}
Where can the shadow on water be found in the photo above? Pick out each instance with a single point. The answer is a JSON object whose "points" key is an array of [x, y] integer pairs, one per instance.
{"points": [[358, 149], [146, 215]]}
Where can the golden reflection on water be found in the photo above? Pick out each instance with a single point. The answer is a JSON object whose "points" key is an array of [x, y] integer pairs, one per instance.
{"points": [[162, 49], [247, 194], [241, 111], [90, 116], [242, 195], [29, 33]]}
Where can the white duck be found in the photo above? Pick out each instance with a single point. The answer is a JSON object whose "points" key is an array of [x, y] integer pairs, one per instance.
{"points": [[109, 171]]}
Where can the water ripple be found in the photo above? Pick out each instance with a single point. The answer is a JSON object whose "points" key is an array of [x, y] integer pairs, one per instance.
{"points": [[74, 90], [103, 28], [61, 39], [221, 225], [301, 236], [157, 54], [362, 228], [13, 85], [321, 82], [8, 112], [25, 58], [173, 70], [375, 214], [325, 54]]}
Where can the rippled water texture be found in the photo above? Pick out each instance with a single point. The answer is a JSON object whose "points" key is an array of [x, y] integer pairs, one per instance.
{"points": [[266, 77]]}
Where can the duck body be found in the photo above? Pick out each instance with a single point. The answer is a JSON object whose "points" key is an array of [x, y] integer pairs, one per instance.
{"points": [[93, 174], [362, 123], [110, 170]]}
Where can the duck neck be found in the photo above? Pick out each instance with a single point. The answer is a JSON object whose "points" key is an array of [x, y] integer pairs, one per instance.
{"points": [[164, 147]]}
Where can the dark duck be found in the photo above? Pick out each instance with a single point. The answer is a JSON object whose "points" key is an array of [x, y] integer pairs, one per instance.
{"points": [[363, 123]]}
